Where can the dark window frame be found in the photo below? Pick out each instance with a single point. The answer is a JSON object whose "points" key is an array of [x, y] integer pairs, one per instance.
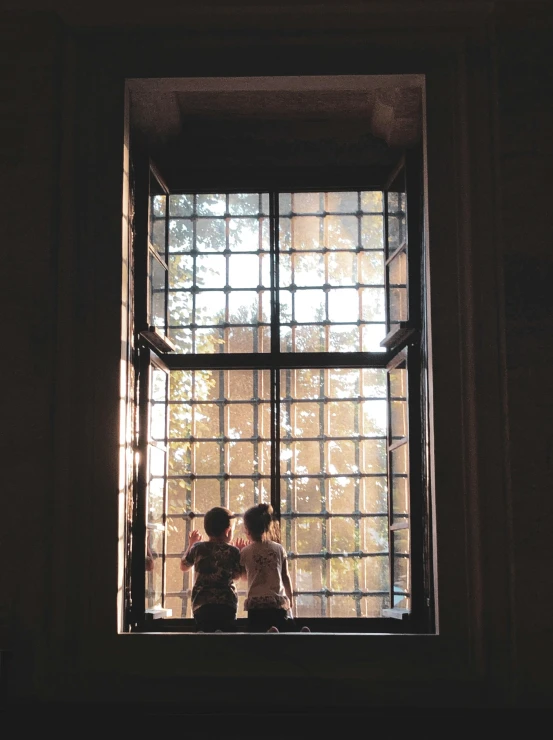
{"points": [[408, 337]]}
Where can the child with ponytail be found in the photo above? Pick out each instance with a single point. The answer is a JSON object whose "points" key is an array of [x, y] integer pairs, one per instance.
{"points": [[265, 565]]}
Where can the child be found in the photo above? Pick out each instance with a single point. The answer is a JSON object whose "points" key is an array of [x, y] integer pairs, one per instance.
{"points": [[265, 564], [217, 566]]}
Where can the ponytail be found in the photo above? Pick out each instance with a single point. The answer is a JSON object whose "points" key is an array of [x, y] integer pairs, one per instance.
{"points": [[261, 523]]}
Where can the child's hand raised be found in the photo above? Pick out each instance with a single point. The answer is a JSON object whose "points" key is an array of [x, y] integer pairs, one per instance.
{"points": [[194, 537], [240, 543]]}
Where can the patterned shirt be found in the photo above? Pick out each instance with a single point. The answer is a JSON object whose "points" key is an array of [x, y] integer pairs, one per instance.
{"points": [[264, 563], [216, 565]]}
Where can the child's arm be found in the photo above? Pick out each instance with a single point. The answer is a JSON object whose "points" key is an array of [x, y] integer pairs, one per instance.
{"points": [[241, 543], [287, 583], [193, 537]]}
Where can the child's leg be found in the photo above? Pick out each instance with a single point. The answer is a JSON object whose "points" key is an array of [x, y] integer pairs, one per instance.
{"points": [[261, 620], [212, 617]]}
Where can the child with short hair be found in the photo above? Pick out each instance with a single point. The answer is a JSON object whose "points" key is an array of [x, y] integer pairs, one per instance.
{"points": [[264, 560], [217, 565]]}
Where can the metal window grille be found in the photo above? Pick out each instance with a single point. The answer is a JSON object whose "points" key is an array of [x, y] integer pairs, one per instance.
{"points": [[283, 387]]}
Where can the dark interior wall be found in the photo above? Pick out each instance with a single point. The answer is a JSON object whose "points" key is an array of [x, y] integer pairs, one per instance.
{"points": [[30, 160], [53, 572], [525, 123]]}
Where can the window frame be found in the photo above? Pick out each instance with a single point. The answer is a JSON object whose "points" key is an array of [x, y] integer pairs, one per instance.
{"points": [[408, 337]]}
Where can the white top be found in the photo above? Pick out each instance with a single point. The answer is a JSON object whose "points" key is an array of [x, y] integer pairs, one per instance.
{"points": [[264, 563]]}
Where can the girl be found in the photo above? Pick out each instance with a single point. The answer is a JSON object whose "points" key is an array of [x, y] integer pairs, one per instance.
{"points": [[265, 566]]}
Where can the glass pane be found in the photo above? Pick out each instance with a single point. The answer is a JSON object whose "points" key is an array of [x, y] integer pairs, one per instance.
{"points": [[372, 606], [308, 269], [210, 235], [305, 233], [307, 203], [342, 202], [374, 418], [374, 534], [343, 305], [373, 494], [398, 269], [398, 460], [396, 221], [372, 456], [372, 232], [158, 420], [176, 542], [401, 575], [157, 293], [342, 418], [341, 457], [158, 223], [398, 305], [342, 606], [373, 334], [343, 338], [343, 572], [241, 339], [344, 535], [208, 340], [306, 496], [241, 496], [181, 235], [180, 271], [309, 606], [159, 384], [371, 268], [371, 201], [180, 309], [375, 573], [156, 488], [210, 307], [344, 383], [247, 235], [243, 204], [244, 307], [307, 383], [309, 305], [342, 494], [207, 420], [308, 533], [374, 383], [207, 458], [400, 499], [244, 271], [181, 205], [211, 205], [342, 268], [154, 572], [206, 494], [308, 574], [372, 304], [178, 495], [308, 338], [341, 232]]}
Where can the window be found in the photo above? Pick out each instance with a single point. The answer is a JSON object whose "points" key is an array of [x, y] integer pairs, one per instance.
{"points": [[280, 350]]}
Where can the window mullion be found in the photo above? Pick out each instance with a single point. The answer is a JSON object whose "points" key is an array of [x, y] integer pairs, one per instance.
{"points": [[275, 352]]}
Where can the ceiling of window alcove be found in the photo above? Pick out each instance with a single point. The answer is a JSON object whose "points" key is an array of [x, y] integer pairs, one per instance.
{"points": [[208, 124]]}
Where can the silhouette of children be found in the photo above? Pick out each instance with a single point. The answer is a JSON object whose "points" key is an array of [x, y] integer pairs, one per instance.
{"points": [[217, 565]]}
